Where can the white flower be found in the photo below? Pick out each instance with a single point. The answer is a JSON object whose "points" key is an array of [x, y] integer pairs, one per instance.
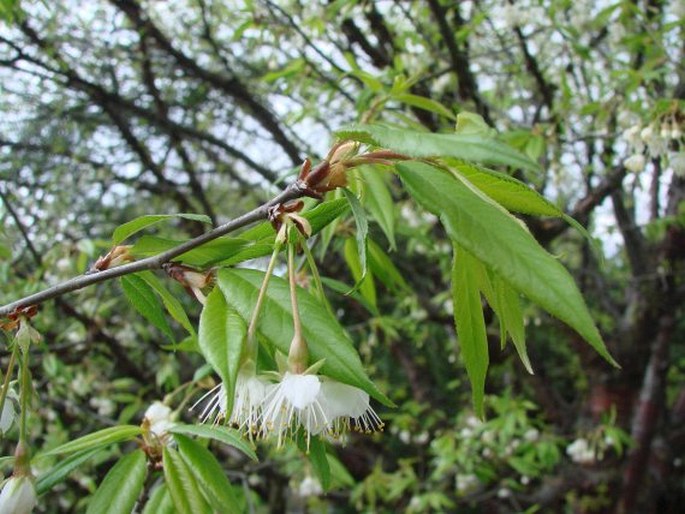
{"points": [[158, 417], [310, 486], [347, 407], [466, 483], [677, 162], [635, 163], [250, 392], [18, 496], [580, 452], [504, 493], [531, 435], [291, 402], [319, 406]]}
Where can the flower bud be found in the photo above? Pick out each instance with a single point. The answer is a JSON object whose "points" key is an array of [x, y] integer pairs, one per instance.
{"points": [[18, 496]]}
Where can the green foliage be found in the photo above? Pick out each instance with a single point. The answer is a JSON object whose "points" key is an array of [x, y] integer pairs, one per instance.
{"points": [[221, 337], [121, 487]]}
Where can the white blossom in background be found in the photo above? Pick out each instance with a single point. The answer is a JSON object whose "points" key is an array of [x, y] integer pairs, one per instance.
{"points": [[677, 162], [635, 163], [466, 483], [18, 496], [310, 486], [531, 435], [581, 452]]}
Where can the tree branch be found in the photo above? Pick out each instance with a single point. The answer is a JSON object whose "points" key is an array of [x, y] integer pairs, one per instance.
{"points": [[293, 191]]}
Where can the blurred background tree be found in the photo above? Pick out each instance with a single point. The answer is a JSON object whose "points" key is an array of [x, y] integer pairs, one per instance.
{"points": [[113, 109]]}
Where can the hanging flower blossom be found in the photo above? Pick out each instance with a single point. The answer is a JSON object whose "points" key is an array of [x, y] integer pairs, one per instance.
{"points": [[250, 391], [318, 405], [348, 407], [292, 402], [18, 496]]}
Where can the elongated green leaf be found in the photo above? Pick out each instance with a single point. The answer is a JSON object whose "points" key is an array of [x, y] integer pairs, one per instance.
{"points": [[145, 301], [121, 487], [160, 502], [209, 475], [426, 104], [221, 336], [511, 316], [219, 433], [128, 229], [384, 269], [202, 256], [507, 191], [468, 317], [253, 243], [363, 282], [362, 229], [62, 470], [470, 147], [317, 456], [499, 241], [183, 487], [98, 439], [346, 290], [173, 306], [324, 335], [515, 196], [379, 201]]}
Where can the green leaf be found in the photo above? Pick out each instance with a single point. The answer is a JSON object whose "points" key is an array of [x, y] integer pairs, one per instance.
{"points": [[317, 456], [346, 290], [209, 475], [425, 103], [470, 147], [62, 470], [121, 487], [143, 298], [98, 439], [324, 335], [221, 336], [219, 433], [5, 252], [384, 269], [473, 124], [498, 240], [200, 257], [468, 317], [129, 228], [172, 304], [182, 485], [515, 196], [379, 201], [251, 244], [363, 281], [160, 502], [510, 193]]}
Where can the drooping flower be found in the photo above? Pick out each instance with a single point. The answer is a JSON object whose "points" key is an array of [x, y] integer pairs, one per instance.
{"points": [[18, 496], [250, 391], [348, 407], [292, 402], [318, 405]]}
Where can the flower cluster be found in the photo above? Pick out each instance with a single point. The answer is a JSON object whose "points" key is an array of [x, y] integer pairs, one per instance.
{"points": [[660, 139]]}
